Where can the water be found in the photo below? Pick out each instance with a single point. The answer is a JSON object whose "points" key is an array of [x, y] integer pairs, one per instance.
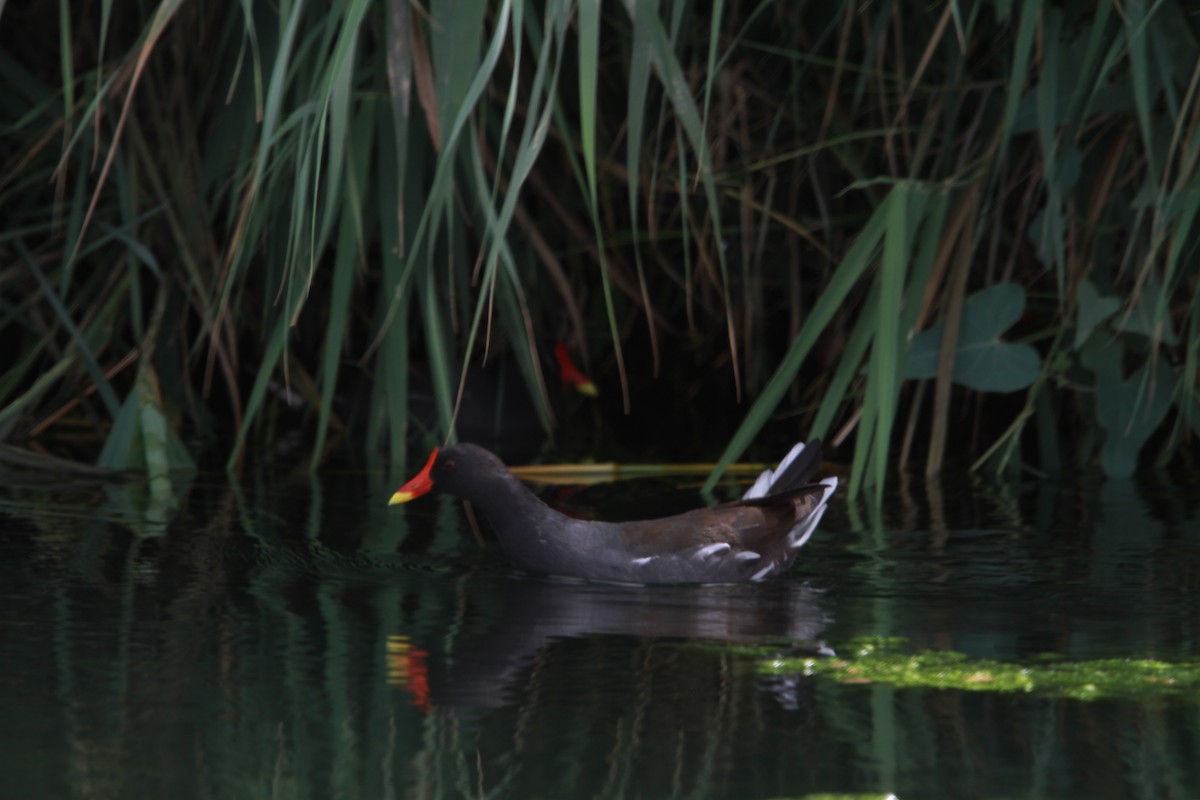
{"points": [[295, 638]]}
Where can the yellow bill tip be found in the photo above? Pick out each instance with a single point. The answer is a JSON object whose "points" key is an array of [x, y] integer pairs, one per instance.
{"points": [[400, 497]]}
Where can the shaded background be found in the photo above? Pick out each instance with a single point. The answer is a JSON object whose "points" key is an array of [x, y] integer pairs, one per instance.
{"points": [[910, 232]]}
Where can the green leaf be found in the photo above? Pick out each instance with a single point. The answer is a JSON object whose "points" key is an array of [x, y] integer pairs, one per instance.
{"points": [[1093, 309], [983, 361], [1047, 232], [145, 441], [1144, 317], [1128, 410], [141, 438]]}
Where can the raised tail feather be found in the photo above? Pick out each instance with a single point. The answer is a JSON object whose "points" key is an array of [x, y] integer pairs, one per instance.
{"points": [[793, 472]]}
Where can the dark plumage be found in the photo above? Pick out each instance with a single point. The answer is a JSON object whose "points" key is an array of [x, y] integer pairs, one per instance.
{"points": [[751, 539]]}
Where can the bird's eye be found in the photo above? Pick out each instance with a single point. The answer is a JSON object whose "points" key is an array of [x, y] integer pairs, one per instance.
{"points": [[449, 464]]}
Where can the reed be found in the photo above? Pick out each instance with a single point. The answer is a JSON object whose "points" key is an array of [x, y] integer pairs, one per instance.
{"points": [[961, 233]]}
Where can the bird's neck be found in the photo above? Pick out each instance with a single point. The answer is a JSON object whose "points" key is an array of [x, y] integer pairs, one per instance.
{"points": [[508, 502]]}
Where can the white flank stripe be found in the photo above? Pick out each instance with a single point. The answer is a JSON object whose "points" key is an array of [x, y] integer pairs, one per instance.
{"points": [[712, 549], [762, 573]]}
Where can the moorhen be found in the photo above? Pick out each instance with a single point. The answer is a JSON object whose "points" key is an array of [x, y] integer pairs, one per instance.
{"points": [[746, 540], [498, 407], [494, 654]]}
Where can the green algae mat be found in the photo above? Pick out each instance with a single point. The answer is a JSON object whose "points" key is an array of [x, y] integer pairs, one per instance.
{"points": [[893, 661]]}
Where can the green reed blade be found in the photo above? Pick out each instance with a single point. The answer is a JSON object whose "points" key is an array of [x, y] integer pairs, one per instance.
{"points": [[103, 387], [855, 263], [886, 364], [345, 266]]}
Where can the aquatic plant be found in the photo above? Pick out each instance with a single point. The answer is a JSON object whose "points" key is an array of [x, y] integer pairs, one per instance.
{"points": [[893, 661], [972, 226]]}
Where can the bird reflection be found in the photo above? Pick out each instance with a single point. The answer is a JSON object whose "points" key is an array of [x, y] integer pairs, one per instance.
{"points": [[486, 666]]}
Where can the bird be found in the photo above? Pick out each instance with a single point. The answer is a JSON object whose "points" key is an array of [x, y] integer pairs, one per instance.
{"points": [[746, 540], [498, 406], [494, 654]]}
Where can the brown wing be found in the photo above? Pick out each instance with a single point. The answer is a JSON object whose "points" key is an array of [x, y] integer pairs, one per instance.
{"points": [[750, 525]]}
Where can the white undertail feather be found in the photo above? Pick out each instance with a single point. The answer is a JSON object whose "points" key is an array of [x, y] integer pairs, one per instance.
{"points": [[763, 485], [799, 535]]}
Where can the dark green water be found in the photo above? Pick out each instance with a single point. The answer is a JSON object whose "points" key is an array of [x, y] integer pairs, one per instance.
{"points": [[297, 639]]}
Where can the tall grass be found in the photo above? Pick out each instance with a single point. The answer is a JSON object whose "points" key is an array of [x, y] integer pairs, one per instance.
{"points": [[920, 232]]}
